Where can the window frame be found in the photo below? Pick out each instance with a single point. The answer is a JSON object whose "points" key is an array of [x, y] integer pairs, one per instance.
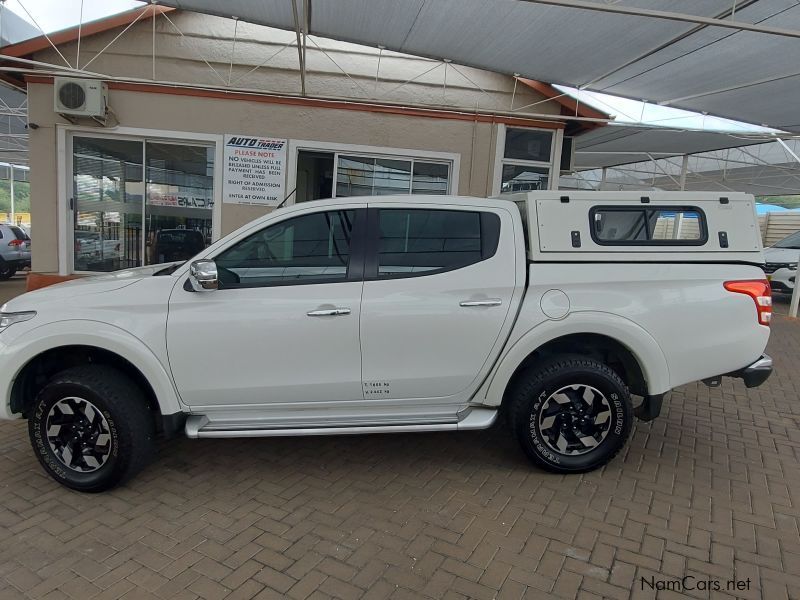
{"points": [[553, 166], [64, 171], [490, 236], [451, 159], [645, 208], [411, 160], [355, 262]]}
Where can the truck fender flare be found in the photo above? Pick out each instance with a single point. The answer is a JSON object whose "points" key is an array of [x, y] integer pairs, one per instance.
{"points": [[83, 332], [645, 349]]}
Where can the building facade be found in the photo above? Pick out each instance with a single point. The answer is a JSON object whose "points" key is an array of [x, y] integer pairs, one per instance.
{"points": [[205, 112]]}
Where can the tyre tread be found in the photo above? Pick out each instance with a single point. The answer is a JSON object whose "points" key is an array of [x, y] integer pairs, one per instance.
{"points": [[538, 375], [129, 405]]}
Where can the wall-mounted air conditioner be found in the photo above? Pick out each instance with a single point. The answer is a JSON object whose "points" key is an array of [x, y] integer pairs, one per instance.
{"points": [[81, 97]]}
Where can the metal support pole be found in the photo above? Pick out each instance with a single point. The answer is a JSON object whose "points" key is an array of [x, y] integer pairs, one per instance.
{"points": [[795, 294], [677, 227], [300, 54], [153, 18], [11, 186], [684, 170]]}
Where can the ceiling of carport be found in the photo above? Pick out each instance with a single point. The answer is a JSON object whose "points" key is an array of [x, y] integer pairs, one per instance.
{"points": [[745, 75], [616, 145]]}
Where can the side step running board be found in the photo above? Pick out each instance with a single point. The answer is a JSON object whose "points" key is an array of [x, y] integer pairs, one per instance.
{"points": [[198, 426]]}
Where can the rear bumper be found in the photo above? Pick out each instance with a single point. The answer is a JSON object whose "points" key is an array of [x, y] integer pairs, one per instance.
{"points": [[19, 263], [755, 374]]}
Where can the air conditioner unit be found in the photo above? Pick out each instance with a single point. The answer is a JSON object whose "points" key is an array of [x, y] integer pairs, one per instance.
{"points": [[81, 97]]}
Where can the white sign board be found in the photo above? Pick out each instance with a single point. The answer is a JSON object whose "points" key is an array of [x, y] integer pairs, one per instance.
{"points": [[254, 170]]}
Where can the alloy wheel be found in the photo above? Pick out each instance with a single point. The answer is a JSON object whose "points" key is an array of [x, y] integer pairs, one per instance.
{"points": [[78, 434], [575, 419]]}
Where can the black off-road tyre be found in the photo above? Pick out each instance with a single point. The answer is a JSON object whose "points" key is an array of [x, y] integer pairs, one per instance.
{"points": [[97, 419], [6, 270], [571, 414]]}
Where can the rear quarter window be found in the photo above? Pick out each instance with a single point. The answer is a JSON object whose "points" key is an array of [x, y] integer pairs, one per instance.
{"points": [[19, 234], [648, 226]]}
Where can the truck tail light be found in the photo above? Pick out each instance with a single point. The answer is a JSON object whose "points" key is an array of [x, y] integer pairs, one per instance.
{"points": [[761, 293]]}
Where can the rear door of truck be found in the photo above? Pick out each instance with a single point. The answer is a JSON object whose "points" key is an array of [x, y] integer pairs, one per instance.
{"points": [[442, 286]]}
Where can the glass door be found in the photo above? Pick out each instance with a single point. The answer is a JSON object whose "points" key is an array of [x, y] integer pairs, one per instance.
{"points": [[108, 196], [179, 201], [138, 202]]}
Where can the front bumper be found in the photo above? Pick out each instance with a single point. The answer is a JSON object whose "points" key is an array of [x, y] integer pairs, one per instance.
{"points": [[755, 374], [781, 277]]}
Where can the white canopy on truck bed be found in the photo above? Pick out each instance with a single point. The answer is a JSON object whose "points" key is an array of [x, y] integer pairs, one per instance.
{"points": [[639, 226]]}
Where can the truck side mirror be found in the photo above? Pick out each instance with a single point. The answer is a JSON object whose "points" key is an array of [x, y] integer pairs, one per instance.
{"points": [[203, 275]]}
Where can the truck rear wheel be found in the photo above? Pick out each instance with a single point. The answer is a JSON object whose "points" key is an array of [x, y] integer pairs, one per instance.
{"points": [[571, 414], [91, 428]]}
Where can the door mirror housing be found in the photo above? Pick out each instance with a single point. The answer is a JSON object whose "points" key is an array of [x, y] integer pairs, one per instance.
{"points": [[203, 275]]}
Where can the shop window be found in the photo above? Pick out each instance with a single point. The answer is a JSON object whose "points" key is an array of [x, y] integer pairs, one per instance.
{"points": [[373, 176], [139, 202], [358, 175], [526, 162], [528, 144]]}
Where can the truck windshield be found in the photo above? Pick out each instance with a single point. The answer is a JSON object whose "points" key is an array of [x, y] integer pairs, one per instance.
{"points": [[791, 241]]}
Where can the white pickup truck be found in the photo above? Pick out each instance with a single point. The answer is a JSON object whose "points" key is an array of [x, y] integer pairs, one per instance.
{"points": [[397, 314]]}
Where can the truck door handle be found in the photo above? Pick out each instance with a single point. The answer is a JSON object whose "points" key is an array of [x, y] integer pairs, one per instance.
{"points": [[489, 302], [328, 312]]}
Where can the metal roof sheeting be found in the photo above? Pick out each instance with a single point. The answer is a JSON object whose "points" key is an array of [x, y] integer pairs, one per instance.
{"points": [[744, 75], [615, 145]]}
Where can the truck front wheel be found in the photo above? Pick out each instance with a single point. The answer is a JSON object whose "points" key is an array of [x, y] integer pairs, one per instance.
{"points": [[571, 414], [91, 429]]}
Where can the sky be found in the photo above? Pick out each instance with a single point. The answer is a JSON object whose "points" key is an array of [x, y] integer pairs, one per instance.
{"points": [[52, 15]]}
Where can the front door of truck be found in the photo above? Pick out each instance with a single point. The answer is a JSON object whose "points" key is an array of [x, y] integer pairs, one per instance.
{"points": [[438, 290], [283, 325]]}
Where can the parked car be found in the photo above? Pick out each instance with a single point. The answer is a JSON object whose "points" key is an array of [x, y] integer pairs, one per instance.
{"points": [[397, 314], [176, 244], [15, 250], [91, 247], [781, 263]]}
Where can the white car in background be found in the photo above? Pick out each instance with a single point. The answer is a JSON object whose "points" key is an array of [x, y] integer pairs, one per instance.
{"points": [[781, 263]]}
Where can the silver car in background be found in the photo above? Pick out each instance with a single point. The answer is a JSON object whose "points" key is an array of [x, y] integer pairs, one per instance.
{"points": [[15, 250]]}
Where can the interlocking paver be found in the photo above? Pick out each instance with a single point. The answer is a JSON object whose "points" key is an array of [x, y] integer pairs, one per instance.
{"points": [[711, 490]]}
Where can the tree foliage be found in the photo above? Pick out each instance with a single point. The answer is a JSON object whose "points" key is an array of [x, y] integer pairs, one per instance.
{"points": [[22, 196]]}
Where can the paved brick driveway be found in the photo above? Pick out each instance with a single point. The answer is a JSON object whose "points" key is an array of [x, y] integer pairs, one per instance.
{"points": [[711, 490]]}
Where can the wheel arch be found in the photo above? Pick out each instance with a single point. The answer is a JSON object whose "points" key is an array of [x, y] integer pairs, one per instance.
{"points": [[635, 354], [51, 348]]}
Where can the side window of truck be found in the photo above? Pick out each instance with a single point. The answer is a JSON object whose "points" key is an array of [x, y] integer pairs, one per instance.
{"points": [[313, 248], [415, 242], [643, 226]]}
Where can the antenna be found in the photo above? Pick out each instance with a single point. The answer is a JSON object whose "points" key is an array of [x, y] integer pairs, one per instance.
{"points": [[285, 199]]}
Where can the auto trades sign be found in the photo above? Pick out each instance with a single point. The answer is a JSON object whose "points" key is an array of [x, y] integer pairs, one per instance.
{"points": [[254, 170]]}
